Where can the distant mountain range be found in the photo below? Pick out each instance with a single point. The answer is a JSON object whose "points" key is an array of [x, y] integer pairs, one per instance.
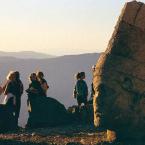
{"points": [[25, 55], [59, 73]]}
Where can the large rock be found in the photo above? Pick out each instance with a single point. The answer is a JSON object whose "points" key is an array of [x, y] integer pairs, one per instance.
{"points": [[45, 112], [82, 116], [119, 78]]}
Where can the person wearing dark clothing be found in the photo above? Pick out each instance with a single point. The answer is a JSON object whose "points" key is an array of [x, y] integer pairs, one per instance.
{"points": [[77, 76], [43, 82], [35, 90], [92, 86], [13, 90], [35, 86], [18, 93], [9, 92], [81, 90], [10, 88]]}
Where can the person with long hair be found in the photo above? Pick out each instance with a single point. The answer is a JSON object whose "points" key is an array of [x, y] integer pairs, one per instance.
{"points": [[43, 82], [9, 91], [34, 90], [18, 86]]}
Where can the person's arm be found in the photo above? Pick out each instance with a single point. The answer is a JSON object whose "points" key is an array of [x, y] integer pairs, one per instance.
{"points": [[79, 88], [74, 92], [7, 88], [45, 86], [21, 88], [5, 85], [86, 88], [31, 89]]}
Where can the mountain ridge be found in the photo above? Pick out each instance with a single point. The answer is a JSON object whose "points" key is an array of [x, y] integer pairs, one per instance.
{"points": [[25, 54]]}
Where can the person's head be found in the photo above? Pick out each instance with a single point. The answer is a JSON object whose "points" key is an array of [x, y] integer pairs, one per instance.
{"points": [[17, 75], [11, 76], [77, 76], [93, 68], [82, 75], [39, 74], [33, 77]]}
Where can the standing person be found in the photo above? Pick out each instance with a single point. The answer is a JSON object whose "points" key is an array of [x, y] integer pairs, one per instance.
{"points": [[77, 77], [92, 86], [34, 90], [43, 82], [9, 91], [18, 93], [81, 90]]}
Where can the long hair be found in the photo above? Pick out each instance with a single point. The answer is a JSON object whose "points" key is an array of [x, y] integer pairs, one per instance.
{"points": [[11, 76]]}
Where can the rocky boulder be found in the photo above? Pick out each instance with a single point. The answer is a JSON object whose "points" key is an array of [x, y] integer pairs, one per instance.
{"points": [[83, 116], [119, 77], [45, 112]]}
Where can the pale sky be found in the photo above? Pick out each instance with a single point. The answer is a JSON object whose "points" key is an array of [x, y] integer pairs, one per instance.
{"points": [[57, 27]]}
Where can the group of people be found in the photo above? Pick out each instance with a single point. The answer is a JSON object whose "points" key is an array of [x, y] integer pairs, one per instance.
{"points": [[13, 90], [38, 85]]}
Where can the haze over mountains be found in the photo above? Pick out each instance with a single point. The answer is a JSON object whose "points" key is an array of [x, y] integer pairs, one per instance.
{"points": [[25, 55], [59, 72]]}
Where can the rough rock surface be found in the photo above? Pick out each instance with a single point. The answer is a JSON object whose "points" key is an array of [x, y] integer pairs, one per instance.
{"points": [[119, 78], [84, 116], [46, 111]]}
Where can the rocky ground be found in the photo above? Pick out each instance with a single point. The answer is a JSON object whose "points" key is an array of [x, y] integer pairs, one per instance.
{"points": [[64, 135]]}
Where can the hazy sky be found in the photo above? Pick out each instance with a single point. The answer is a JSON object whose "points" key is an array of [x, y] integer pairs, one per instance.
{"points": [[57, 27]]}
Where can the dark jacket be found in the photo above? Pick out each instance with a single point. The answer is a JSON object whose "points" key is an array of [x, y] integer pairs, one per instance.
{"points": [[10, 88], [18, 88], [81, 89], [35, 89]]}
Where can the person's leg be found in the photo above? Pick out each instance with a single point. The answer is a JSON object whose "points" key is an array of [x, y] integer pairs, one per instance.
{"points": [[79, 110], [86, 105], [10, 110], [79, 104], [17, 110]]}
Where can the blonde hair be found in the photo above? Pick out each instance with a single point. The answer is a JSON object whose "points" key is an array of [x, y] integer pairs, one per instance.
{"points": [[10, 75]]}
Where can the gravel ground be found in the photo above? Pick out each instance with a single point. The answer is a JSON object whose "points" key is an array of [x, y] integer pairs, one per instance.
{"points": [[64, 135]]}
